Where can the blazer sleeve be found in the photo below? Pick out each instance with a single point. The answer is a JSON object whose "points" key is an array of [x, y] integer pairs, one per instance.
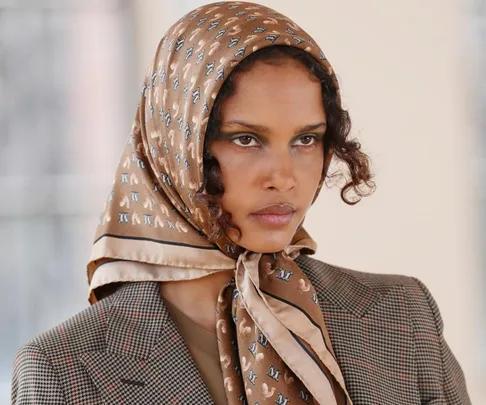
{"points": [[34, 379], [440, 377]]}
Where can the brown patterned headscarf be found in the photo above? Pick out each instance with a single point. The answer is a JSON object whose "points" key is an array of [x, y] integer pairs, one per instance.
{"points": [[271, 334]]}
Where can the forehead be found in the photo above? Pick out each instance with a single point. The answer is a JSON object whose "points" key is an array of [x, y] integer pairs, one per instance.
{"points": [[285, 91]]}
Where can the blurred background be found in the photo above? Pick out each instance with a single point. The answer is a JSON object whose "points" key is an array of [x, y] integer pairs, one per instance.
{"points": [[410, 71]]}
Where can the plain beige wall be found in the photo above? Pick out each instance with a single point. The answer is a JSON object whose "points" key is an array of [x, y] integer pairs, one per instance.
{"points": [[403, 77]]}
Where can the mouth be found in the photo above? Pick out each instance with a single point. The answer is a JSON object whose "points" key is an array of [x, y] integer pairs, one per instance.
{"points": [[275, 215]]}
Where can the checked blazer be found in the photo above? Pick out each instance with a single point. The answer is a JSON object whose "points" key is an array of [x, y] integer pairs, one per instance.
{"points": [[386, 331]]}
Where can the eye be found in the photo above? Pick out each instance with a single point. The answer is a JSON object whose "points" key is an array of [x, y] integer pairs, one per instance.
{"points": [[245, 141], [306, 140]]}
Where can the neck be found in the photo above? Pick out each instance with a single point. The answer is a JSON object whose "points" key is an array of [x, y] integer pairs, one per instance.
{"points": [[197, 298]]}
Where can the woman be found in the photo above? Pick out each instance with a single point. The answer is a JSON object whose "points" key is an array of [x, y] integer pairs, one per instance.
{"points": [[202, 287]]}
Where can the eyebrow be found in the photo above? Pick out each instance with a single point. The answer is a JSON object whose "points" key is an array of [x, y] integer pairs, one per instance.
{"points": [[264, 129]]}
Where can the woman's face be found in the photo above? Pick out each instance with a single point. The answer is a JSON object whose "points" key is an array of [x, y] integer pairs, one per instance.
{"points": [[270, 150]]}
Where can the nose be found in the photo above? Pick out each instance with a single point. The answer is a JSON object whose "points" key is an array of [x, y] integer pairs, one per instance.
{"points": [[280, 173]]}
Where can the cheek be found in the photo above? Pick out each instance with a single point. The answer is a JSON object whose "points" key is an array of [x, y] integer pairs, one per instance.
{"points": [[240, 178], [309, 168], [308, 181]]}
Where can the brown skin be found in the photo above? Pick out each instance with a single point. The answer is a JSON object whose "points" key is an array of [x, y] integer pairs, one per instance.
{"points": [[267, 156]]}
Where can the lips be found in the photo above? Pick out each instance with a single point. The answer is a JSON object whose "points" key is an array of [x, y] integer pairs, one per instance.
{"points": [[276, 209], [277, 215]]}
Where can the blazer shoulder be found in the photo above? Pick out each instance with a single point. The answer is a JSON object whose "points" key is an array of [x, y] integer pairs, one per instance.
{"points": [[378, 282], [81, 333], [48, 363], [34, 378], [358, 291]]}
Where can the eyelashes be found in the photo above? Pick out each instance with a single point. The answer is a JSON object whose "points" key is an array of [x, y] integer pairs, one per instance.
{"points": [[248, 140], [245, 141]]}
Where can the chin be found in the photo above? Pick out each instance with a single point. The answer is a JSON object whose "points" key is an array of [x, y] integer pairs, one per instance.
{"points": [[271, 249], [266, 242]]}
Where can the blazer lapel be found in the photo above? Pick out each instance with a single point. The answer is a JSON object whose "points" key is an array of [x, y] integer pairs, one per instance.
{"points": [[146, 360]]}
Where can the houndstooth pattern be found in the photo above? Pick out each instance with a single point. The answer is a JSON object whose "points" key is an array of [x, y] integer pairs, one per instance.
{"points": [[386, 331]]}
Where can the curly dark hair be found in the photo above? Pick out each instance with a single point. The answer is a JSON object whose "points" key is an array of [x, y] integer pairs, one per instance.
{"points": [[346, 150]]}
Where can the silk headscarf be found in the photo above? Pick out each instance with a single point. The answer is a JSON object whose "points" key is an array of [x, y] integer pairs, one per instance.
{"points": [[271, 334]]}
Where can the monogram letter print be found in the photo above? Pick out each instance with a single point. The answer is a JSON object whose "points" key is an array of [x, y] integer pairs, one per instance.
{"points": [[273, 373], [253, 348], [148, 219], [284, 275], [262, 339], [252, 377], [304, 396], [123, 217], [281, 400]]}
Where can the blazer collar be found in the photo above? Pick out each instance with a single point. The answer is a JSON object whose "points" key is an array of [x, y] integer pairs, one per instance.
{"points": [[137, 319]]}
